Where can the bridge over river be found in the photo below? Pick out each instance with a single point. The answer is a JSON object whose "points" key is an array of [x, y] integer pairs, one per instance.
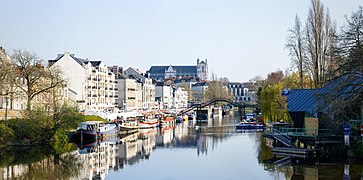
{"points": [[198, 106]]}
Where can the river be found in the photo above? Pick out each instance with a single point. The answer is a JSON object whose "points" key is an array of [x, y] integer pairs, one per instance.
{"points": [[213, 151]]}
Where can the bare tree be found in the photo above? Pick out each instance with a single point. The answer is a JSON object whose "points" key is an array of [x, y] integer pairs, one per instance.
{"points": [[319, 30], [295, 44], [352, 44], [216, 89], [35, 77]]}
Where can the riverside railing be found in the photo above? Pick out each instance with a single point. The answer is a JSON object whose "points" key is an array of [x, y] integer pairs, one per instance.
{"points": [[307, 132]]}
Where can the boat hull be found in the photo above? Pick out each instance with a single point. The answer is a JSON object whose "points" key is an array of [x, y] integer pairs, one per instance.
{"points": [[249, 126], [148, 124]]}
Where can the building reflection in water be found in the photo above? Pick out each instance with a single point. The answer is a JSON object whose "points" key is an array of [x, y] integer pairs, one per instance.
{"points": [[115, 154]]}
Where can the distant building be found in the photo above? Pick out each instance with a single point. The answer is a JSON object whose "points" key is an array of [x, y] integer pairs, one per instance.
{"points": [[129, 93], [180, 98], [198, 72], [148, 88], [199, 90], [164, 95], [239, 92]]}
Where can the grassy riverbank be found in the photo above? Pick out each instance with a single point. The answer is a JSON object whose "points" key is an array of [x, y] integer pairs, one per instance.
{"points": [[42, 128]]}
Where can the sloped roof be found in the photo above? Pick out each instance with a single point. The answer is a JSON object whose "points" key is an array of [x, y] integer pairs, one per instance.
{"points": [[346, 87], [80, 61], [95, 63], [303, 100], [178, 69]]}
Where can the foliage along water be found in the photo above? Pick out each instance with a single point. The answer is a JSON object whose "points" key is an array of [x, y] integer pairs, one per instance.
{"points": [[215, 151]]}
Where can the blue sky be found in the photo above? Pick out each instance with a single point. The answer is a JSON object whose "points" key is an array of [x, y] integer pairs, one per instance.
{"points": [[241, 39]]}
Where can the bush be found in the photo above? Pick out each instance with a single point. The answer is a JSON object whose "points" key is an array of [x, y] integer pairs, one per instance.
{"points": [[6, 133], [358, 149], [93, 118]]}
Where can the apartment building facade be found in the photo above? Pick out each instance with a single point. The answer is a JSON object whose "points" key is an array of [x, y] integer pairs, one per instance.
{"points": [[92, 83]]}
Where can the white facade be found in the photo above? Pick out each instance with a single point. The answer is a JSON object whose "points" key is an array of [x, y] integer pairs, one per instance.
{"points": [[129, 94], [202, 70], [164, 94], [239, 92], [93, 84], [148, 88], [180, 98]]}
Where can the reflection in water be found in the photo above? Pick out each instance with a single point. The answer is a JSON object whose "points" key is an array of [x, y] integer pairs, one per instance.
{"points": [[37, 163], [243, 152]]}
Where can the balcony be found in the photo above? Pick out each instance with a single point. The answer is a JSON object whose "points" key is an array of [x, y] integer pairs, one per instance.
{"points": [[95, 95]]}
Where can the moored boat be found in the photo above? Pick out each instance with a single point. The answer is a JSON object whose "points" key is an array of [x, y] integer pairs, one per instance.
{"points": [[168, 120], [250, 125], [95, 130], [129, 121], [149, 122]]}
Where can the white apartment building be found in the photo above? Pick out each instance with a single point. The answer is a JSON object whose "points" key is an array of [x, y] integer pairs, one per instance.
{"points": [[148, 88], [180, 99], [92, 83], [164, 95], [129, 93]]}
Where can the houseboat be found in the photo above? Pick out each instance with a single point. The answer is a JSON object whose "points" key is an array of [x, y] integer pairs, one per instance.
{"points": [[128, 121], [95, 130]]}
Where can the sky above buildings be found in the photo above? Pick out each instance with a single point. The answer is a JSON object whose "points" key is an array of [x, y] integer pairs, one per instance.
{"points": [[240, 39]]}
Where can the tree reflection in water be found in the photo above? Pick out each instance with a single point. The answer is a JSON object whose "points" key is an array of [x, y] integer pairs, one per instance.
{"points": [[37, 162]]}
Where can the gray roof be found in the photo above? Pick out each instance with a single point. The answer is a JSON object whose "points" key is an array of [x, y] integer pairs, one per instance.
{"points": [[80, 61], [178, 69]]}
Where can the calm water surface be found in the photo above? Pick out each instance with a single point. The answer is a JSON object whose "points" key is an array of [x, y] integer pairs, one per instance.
{"points": [[213, 151]]}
